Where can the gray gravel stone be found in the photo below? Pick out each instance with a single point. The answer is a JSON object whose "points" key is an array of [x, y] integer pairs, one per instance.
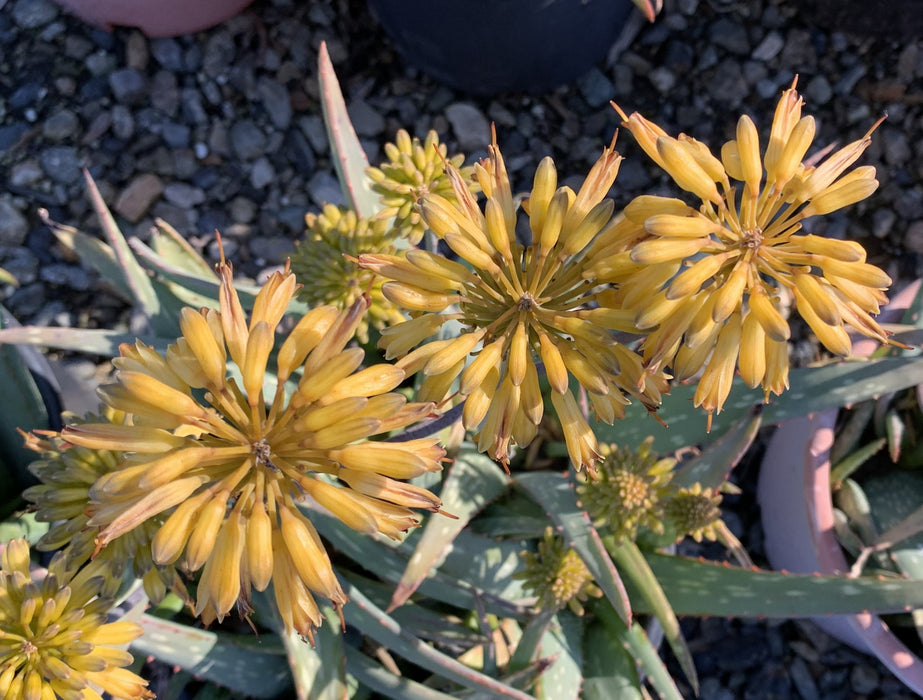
{"points": [[167, 53], [70, 276], [769, 47], [276, 102], [129, 86], [271, 249], [366, 121], [818, 90], [61, 163], [470, 126], [26, 172], [262, 173], [32, 14], [247, 140], [183, 195], [730, 36], [13, 225], [595, 87], [136, 199], [324, 187], [60, 126]]}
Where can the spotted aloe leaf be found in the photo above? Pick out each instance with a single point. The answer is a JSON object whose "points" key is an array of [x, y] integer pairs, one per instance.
{"points": [[712, 467], [473, 481], [319, 670], [250, 666], [697, 587], [458, 582], [609, 671], [812, 390], [347, 153], [562, 642], [556, 495], [632, 564], [362, 613], [90, 341]]}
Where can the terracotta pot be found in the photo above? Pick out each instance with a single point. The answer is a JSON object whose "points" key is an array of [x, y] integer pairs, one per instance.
{"points": [[490, 46], [797, 517], [156, 18]]}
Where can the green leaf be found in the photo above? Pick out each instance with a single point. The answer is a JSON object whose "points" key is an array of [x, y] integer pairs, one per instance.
{"points": [[487, 584], [377, 624], [713, 465], [609, 671], [22, 525], [92, 251], [562, 642], [89, 341], [133, 274], [813, 389], [254, 667], [23, 408], [319, 671], [174, 249], [349, 158], [530, 643], [697, 587], [556, 495], [381, 680], [639, 647], [632, 564], [473, 480]]}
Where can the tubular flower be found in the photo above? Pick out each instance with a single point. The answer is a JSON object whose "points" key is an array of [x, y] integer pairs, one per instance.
{"points": [[557, 576], [708, 279], [325, 265], [227, 471], [54, 638], [66, 474], [630, 491], [412, 171], [518, 305]]}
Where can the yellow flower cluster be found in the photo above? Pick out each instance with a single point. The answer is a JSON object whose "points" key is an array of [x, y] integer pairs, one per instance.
{"points": [[227, 460], [705, 283], [325, 264], [413, 170], [55, 641], [519, 305]]}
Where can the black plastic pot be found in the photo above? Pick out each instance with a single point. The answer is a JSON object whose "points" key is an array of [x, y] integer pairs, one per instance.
{"points": [[489, 46]]}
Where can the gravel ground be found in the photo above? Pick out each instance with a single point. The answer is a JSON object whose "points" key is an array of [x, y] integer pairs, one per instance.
{"points": [[221, 130]]}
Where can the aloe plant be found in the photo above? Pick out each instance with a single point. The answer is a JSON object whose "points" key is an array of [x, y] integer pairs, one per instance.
{"points": [[445, 612]]}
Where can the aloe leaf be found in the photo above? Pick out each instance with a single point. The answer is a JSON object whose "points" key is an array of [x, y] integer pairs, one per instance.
{"points": [[634, 566], [134, 275], [473, 480], [848, 435], [377, 624], [379, 679], [530, 643], [697, 587], [854, 460], [348, 157], [7, 278], [172, 247], [813, 389], [609, 671], [23, 409], [639, 646], [556, 495], [94, 253], [90, 341], [476, 586], [562, 642], [244, 664], [712, 467], [319, 671], [418, 619]]}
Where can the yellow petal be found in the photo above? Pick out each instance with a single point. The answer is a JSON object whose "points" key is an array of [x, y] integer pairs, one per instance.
{"points": [[555, 369], [415, 298], [683, 168], [520, 355], [752, 360], [748, 148]]}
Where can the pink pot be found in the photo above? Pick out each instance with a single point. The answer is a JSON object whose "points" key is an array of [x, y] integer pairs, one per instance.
{"points": [[156, 18], [797, 517]]}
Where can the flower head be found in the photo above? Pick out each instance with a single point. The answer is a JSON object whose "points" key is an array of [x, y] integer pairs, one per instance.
{"points": [[54, 638], [557, 576], [710, 277], [325, 264], [412, 171], [225, 456], [518, 305], [66, 475], [629, 492], [695, 512]]}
